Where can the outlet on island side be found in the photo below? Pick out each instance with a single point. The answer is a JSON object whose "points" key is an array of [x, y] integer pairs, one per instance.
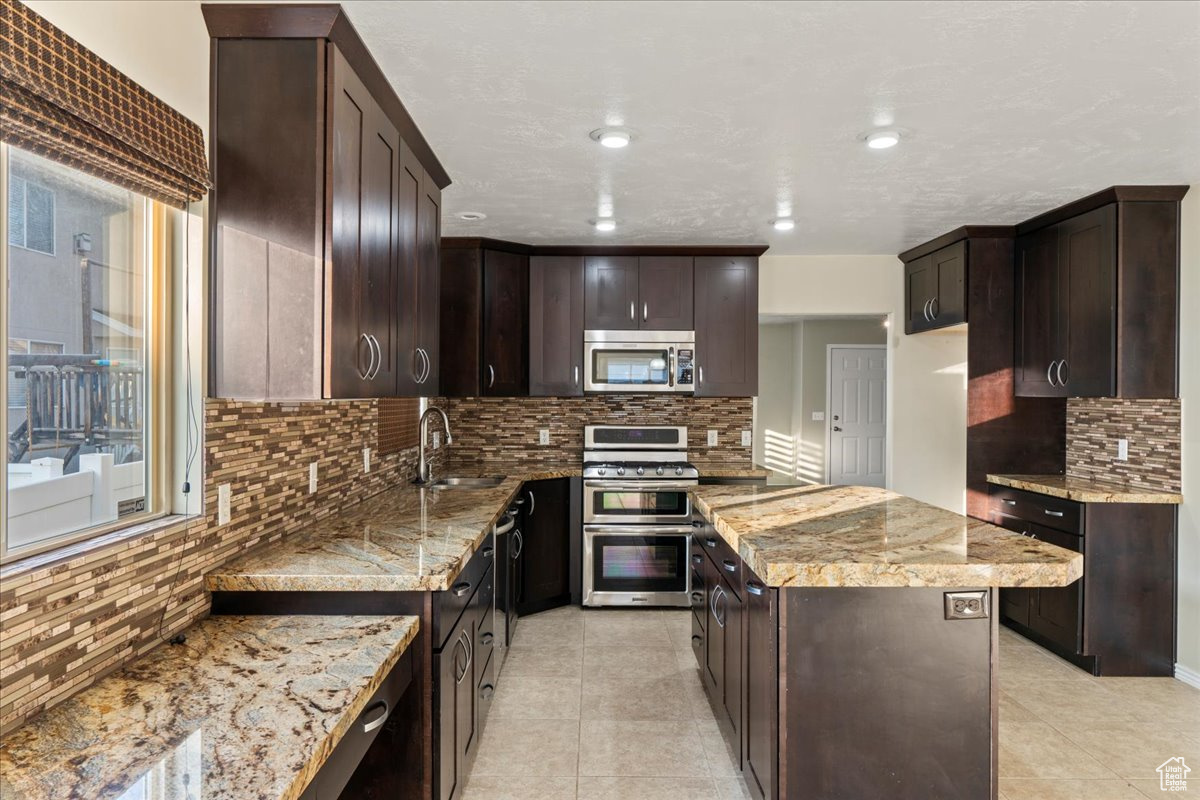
{"points": [[712, 438], [224, 495]]}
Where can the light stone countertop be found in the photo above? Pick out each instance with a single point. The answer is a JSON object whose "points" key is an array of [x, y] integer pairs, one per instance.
{"points": [[247, 708], [1082, 490], [863, 536]]}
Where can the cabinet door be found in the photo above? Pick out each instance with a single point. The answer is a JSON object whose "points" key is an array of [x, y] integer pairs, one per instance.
{"points": [[555, 326], [760, 736], [732, 616], [447, 667], [1087, 254], [919, 290], [465, 697], [409, 368], [726, 291], [949, 266], [505, 324], [361, 315], [1055, 611], [460, 344], [1014, 602], [1038, 316], [611, 293], [429, 237], [665, 293], [545, 574], [714, 639]]}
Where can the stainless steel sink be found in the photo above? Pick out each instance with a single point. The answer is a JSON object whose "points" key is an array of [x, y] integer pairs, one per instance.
{"points": [[488, 482]]}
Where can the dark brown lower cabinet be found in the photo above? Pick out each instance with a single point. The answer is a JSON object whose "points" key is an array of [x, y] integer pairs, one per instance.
{"points": [[1119, 618], [544, 569], [760, 730]]}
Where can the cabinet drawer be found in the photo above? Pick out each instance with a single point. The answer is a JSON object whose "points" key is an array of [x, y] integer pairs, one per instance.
{"points": [[337, 771], [1053, 512], [449, 605], [482, 606], [486, 687], [699, 595], [698, 638], [727, 562]]}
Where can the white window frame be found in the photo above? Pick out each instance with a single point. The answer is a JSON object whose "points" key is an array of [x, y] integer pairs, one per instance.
{"points": [[25, 182], [162, 255]]}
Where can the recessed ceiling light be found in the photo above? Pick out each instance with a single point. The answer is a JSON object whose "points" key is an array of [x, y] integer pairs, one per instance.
{"points": [[784, 224], [605, 225], [471, 216], [614, 138], [882, 140]]}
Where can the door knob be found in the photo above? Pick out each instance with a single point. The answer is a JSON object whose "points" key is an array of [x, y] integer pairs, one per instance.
{"points": [[836, 428]]}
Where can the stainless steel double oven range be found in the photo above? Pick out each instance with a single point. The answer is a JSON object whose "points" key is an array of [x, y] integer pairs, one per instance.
{"points": [[636, 516]]}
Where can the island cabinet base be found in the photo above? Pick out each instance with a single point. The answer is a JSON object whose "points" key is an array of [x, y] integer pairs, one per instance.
{"points": [[880, 695]]}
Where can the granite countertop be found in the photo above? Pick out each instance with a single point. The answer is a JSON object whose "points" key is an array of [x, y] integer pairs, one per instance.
{"points": [[863, 536], [723, 469], [1083, 490], [248, 707]]}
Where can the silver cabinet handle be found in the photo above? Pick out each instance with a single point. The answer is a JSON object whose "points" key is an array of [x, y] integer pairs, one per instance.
{"points": [[925, 311], [645, 311], [934, 307], [532, 503], [710, 542], [378, 721], [575, 374], [487, 552], [416, 365], [491, 376], [423, 368], [712, 602], [1049, 373], [697, 558], [729, 566], [428, 365], [697, 597], [520, 544], [487, 639], [486, 691], [465, 640], [719, 594], [1058, 373], [358, 349], [379, 356], [1008, 502], [1050, 513], [461, 589], [631, 312], [755, 588]]}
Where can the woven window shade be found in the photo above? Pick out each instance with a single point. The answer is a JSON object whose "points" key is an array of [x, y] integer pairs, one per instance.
{"points": [[398, 424], [60, 100]]}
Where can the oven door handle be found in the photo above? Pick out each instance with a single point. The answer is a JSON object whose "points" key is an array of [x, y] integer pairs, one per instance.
{"points": [[638, 485], [638, 530]]}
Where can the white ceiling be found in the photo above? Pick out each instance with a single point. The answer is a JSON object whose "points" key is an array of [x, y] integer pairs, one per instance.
{"points": [[1009, 109]]}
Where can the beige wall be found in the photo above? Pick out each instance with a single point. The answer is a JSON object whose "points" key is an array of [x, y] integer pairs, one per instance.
{"points": [[773, 406], [1189, 389], [927, 390]]}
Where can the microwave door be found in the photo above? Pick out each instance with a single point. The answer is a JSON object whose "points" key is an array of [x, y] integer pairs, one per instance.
{"points": [[629, 368]]}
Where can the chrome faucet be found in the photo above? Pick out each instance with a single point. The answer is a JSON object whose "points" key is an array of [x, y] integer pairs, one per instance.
{"points": [[423, 470]]}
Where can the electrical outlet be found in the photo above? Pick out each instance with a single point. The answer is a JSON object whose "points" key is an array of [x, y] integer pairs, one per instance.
{"points": [[224, 495], [818, 416], [312, 478], [366, 459], [712, 438], [437, 439], [1122, 449], [544, 436], [746, 438]]}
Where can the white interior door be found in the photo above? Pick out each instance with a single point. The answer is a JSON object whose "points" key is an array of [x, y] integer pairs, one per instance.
{"points": [[857, 420]]}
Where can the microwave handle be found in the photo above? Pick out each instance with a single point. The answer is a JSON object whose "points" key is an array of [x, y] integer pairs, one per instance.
{"points": [[670, 366]]}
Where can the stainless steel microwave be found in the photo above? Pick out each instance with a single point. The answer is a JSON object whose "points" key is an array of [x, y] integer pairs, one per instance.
{"points": [[639, 361]]}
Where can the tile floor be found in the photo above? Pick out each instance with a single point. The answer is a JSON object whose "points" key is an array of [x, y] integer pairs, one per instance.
{"points": [[608, 705]]}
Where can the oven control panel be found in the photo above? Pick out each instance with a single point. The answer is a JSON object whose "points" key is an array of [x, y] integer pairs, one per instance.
{"points": [[683, 368]]}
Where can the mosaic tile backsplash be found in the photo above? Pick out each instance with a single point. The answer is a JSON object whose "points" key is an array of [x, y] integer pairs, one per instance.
{"points": [[74, 615], [501, 434], [1153, 428]]}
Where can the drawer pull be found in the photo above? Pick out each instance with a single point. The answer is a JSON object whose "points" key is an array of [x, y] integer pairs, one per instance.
{"points": [[378, 721], [710, 542], [487, 639], [460, 589], [697, 597], [696, 639], [486, 691], [1052, 513], [729, 565], [697, 558], [1008, 502], [487, 552], [755, 588], [697, 523]]}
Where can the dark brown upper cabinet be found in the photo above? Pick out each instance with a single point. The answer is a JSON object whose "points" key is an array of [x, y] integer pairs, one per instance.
{"points": [[650, 293], [484, 338], [611, 293], [726, 309], [935, 289], [1097, 304], [325, 241], [556, 326]]}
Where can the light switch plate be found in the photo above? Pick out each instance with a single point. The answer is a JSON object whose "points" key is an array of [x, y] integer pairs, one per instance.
{"points": [[544, 436], [312, 478], [818, 416], [224, 495], [746, 438], [1122, 449], [712, 438], [366, 459]]}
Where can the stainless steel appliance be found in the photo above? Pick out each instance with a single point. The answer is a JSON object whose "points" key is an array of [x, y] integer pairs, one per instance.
{"points": [[636, 515], [639, 361]]}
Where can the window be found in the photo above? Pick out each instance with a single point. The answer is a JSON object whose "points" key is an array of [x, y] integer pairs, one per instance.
{"points": [[30, 216], [83, 338]]}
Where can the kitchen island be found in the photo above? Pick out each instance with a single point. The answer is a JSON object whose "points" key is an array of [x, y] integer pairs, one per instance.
{"points": [[847, 638]]}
